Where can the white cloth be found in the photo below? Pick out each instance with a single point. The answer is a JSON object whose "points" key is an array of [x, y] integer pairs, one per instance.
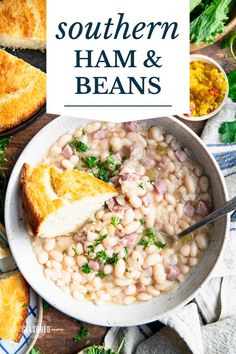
{"points": [[207, 324]]}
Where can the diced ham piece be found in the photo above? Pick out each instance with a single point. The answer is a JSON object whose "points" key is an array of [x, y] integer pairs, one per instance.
{"points": [[130, 240], [110, 203], [129, 177], [140, 288], [148, 163], [181, 155], [172, 272], [67, 151], [145, 200], [160, 186], [100, 134], [161, 166], [117, 208], [189, 209], [201, 209], [131, 126], [93, 265]]}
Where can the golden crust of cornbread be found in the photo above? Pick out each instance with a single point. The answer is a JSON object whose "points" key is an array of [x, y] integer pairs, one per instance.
{"points": [[22, 90], [70, 185], [14, 302], [23, 18]]}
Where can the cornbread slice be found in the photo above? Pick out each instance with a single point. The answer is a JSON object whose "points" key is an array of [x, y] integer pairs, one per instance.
{"points": [[22, 90], [58, 203], [14, 302], [23, 24]]}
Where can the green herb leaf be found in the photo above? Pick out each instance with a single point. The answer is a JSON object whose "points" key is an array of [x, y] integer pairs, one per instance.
{"points": [[99, 349], [86, 269], [78, 145], [142, 221], [227, 131], [160, 244], [83, 132], [149, 239], [34, 351], [210, 22], [46, 305], [101, 274], [232, 85], [112, 260], [97, 242], [83, 332], [101, 255], [75, 250], [229, 41], [115, 220], [91, 161], [141, 185]]}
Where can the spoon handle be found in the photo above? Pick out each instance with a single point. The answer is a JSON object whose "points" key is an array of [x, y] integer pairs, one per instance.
{"points": [[216, 214]]}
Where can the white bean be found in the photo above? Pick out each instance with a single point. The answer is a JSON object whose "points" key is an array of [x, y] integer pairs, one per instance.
{"points": [[135, 201], [64, 140], [184, 269], [123, 281], [116, 144], [120, 268], [190, 184], [57, 256], [132, 227], [185, 250], [108, 269], [156, 133], [129, 299], [201, 241], [194, 250], [152, 259], [137, 258], [130, 290], [67, 164], [159, 273], [192, 261], [129, 217], [144, 297], [43, 257]]}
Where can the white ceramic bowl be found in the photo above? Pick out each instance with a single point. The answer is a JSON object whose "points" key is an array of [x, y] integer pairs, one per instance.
{"points": [[110, 314], [208, 60]]}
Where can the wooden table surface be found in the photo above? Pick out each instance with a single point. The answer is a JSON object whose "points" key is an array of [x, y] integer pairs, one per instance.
{"points": [[63, 328]]}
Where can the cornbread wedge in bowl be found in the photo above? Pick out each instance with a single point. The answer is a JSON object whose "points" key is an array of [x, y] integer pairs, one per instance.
{"points": [[58, 203]]}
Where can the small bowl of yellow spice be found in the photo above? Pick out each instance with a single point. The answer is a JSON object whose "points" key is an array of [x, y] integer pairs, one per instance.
{"points": [[208, 88]]}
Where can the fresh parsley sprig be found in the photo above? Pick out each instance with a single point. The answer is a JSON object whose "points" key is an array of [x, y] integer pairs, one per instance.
{"points": [[149, 239]]}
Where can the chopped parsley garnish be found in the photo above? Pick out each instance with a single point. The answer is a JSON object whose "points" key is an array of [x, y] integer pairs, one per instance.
{"points": [[102, 170], [83, 332], [113, 260], [78, 145], [91, 161], [149, 239], [83, 132], [110, 150], [101, 255], [160, 244], [97, 242], [141, 185], [86, 268], [142, 222], [101, 274], [64, 251], [115, 220]]}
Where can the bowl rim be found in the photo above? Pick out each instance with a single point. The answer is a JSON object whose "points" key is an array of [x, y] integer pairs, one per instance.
{"points": [[207, 59], [147, 318]]}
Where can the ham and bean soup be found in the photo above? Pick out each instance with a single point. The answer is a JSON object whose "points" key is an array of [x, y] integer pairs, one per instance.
{"points": [[126, 253]]}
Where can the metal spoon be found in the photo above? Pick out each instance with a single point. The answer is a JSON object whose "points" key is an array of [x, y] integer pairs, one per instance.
{"points": [[216, 214]]}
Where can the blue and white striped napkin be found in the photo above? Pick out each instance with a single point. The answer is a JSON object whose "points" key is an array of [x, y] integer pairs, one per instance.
{"points": [[184, 332]]}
